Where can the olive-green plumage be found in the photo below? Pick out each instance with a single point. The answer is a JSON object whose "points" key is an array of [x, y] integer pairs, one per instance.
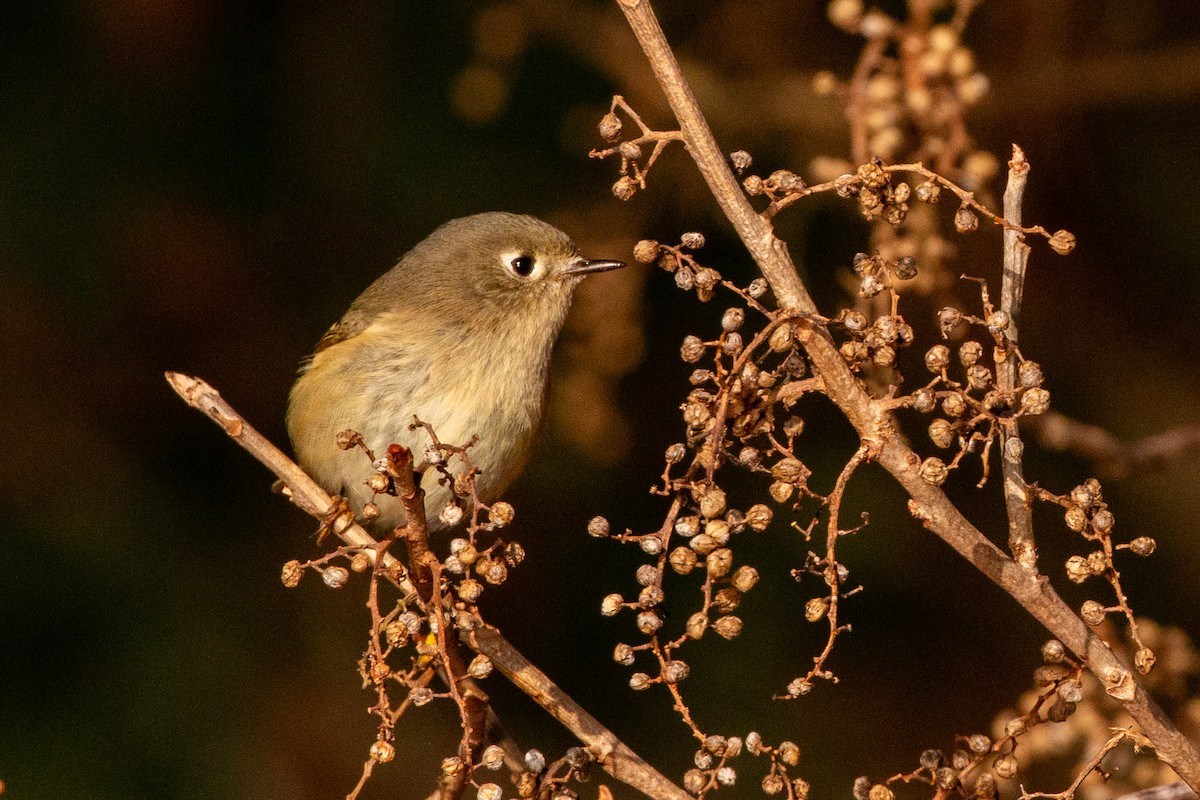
{"points": [[459, 334]]}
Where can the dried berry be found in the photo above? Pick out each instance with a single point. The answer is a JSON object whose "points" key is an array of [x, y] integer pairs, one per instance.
{"points": [[624, 188], [965, 220], [1062, 242], [610, 127], [646, 251]]}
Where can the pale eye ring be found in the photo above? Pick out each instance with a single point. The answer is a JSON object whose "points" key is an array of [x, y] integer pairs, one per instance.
{"points": [[522, 265]]}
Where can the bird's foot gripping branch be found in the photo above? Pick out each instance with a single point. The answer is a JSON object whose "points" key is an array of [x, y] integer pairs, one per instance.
{"points": [[427, 640]]}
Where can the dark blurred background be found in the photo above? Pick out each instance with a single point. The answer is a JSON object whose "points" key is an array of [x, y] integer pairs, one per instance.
{"points": [[204, 186]]}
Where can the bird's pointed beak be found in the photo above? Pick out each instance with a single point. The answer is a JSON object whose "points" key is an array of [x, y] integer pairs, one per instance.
{"points": [[583, 266]]}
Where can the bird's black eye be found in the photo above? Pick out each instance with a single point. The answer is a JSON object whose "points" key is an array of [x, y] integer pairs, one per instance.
{"points": [[522, 265]]}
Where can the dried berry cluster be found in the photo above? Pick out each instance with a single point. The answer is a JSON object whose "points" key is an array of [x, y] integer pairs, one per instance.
{"points": [[912, 86], [1087, 720], [634, 164], [978, 762], [741, 410], [875, 341], [747, 380], [1086, 513], [539, 777], [971, 407], [414, 642]]}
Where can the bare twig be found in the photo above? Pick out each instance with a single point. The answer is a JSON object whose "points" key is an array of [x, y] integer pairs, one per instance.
{"points": [[298, 487], [876, 427], [1016, 257], [416, 529], [1093, 764]]}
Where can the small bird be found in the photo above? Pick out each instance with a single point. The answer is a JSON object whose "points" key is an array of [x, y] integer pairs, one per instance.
{"points": [[458, 334]]}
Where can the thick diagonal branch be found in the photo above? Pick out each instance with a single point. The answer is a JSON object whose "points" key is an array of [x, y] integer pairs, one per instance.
{"points": [[875, 425]]}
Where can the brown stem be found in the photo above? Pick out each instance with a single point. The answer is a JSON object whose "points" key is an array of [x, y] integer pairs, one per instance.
{"points": [[1016, 257], [876, 427], [415, 530], [609, 751]]}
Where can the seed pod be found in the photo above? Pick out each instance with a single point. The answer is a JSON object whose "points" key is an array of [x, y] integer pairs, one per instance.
{"points": [[623, 654], [814, 609], [854, 321], [928, 192], [905, 267], [979, 377], [728, 627], [646, 251], [378, 482], [611, 604], [501, 513], [683, 560], [676, 672], [609, 127], [1142, 546], [1062, 242], [955, 405], [719, 562], [648, 622], [703, 544], [924, 401], [998, 321], [948, 319], [881, 792], [335, 577], [937, 358], [629, 150], [758, 517], [692, 349], [718, 531], [1035, 401], [781, 339], [1005, 766], [624, 188], [789, 470], [1092, 612], [744, 578], [727, 600], [970, 353], [1077, 569], [291, 574], [1030, 374], [941, 433], [712, 501], [934, 471]]}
